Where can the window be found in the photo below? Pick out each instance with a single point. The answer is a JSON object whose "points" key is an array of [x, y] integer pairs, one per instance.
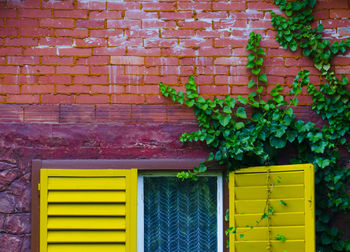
{"points": [[179, 216]]}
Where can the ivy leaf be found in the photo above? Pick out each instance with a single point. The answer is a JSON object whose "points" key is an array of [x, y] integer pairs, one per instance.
{"points": [[251, 84], [256, 71], [240, 112], [263, 77], [239, 125], [243, 100], [202, 167], [190, 103], [224, 120], [277, 143], [251, 57], [261, 51], [283, 202], [227, 110]]}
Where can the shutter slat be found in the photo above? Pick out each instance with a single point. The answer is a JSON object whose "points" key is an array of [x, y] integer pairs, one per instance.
{"points": [[258, 179], [262, 233], [91, 223], [291, 196], [85, 236], [86, 247], [257, 206], [278, 192], [86, 183], [86, 196], [88, 210]]}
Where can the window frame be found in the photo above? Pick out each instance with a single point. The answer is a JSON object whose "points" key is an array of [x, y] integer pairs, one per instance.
{"points": [[149, 165], [140, 205]]}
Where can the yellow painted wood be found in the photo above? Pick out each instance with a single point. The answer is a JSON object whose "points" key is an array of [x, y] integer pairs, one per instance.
{"points": [[276, 246], [97, 236], [278, 192], [89, 223], [87, 196], [261, 233], [86, 209], [257, 206], [294, 184], [115, 247], [85, 183], [88, 206], [259, 179]]}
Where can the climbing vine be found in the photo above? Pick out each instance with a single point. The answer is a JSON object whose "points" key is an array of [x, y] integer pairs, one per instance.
{"points": [[237, 141]]}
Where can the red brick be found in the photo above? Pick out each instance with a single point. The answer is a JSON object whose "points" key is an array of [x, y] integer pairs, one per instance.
{"points": [[77, 113], [61, 23], [130, 24], [212, 70], [176, 70], [193, 6], [91, 42], [91, 24], [262, 6], [335, 23], [72, 89], [231, 61], [127, 60], [156, 42], [155, 61], [129, 99], [74, 51], [151, 24], [224, 42], [2, 60], [20, 79], [10, 112], [197, 42], [9, 89], [58, 4], [248, 14], [57, 99], [110, 89], [111, 5], [38, 69], [194, 24], [109, 51], [181, 114], [105, 33], [213, 15], [116, 41], [125, 79], [180, 52], [51, 41], [22, 22], [21, 60], [177, 14], [282, 71], [240, 89], [34, 13], [229, 6], [105, 15], [157, 99], [231, 80], [142, 89], [239, 70], [56, 60], [113, 113], [198, 61], [341, 60], [72, 69], [141, 70], [22, 98], [171, 33], [91, 5], [102, 69], [321, 14], [144, 51], [136, 14], [55, 79], [8, 32], [155, 79], [40, 51], [274, 61], [24, 4], [227, 24], [344, 31], [145, 33], [158, 6], [336, 4], [213, 33], [260, 24], [70, 13], [41, 113], [36, 32], [214, 90], [280, 52], [93, 60], [37, 89], [208, 51], [91, 79], [92, 99], [9, 69], [21, 41], [6, 13], [77, 33], [149, 113]]}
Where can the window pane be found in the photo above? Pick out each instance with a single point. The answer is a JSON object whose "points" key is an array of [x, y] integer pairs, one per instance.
{"points": [[180, 216]]}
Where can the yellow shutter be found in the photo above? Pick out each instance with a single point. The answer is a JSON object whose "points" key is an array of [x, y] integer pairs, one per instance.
{"points": [[88, 210], [292, 199]]}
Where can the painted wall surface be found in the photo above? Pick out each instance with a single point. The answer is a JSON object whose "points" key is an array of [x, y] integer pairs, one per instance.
{"points": [[79, 79]]}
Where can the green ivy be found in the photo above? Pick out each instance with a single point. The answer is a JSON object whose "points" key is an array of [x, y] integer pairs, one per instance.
{"points": [[237, 141]]}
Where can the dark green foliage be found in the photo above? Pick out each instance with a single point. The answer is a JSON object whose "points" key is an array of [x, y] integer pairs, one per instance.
{"points": [[238, 141]]}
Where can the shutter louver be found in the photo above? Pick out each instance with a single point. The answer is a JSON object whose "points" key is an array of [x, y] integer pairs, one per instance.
{"points": [[88, 210], [291, 190]]}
